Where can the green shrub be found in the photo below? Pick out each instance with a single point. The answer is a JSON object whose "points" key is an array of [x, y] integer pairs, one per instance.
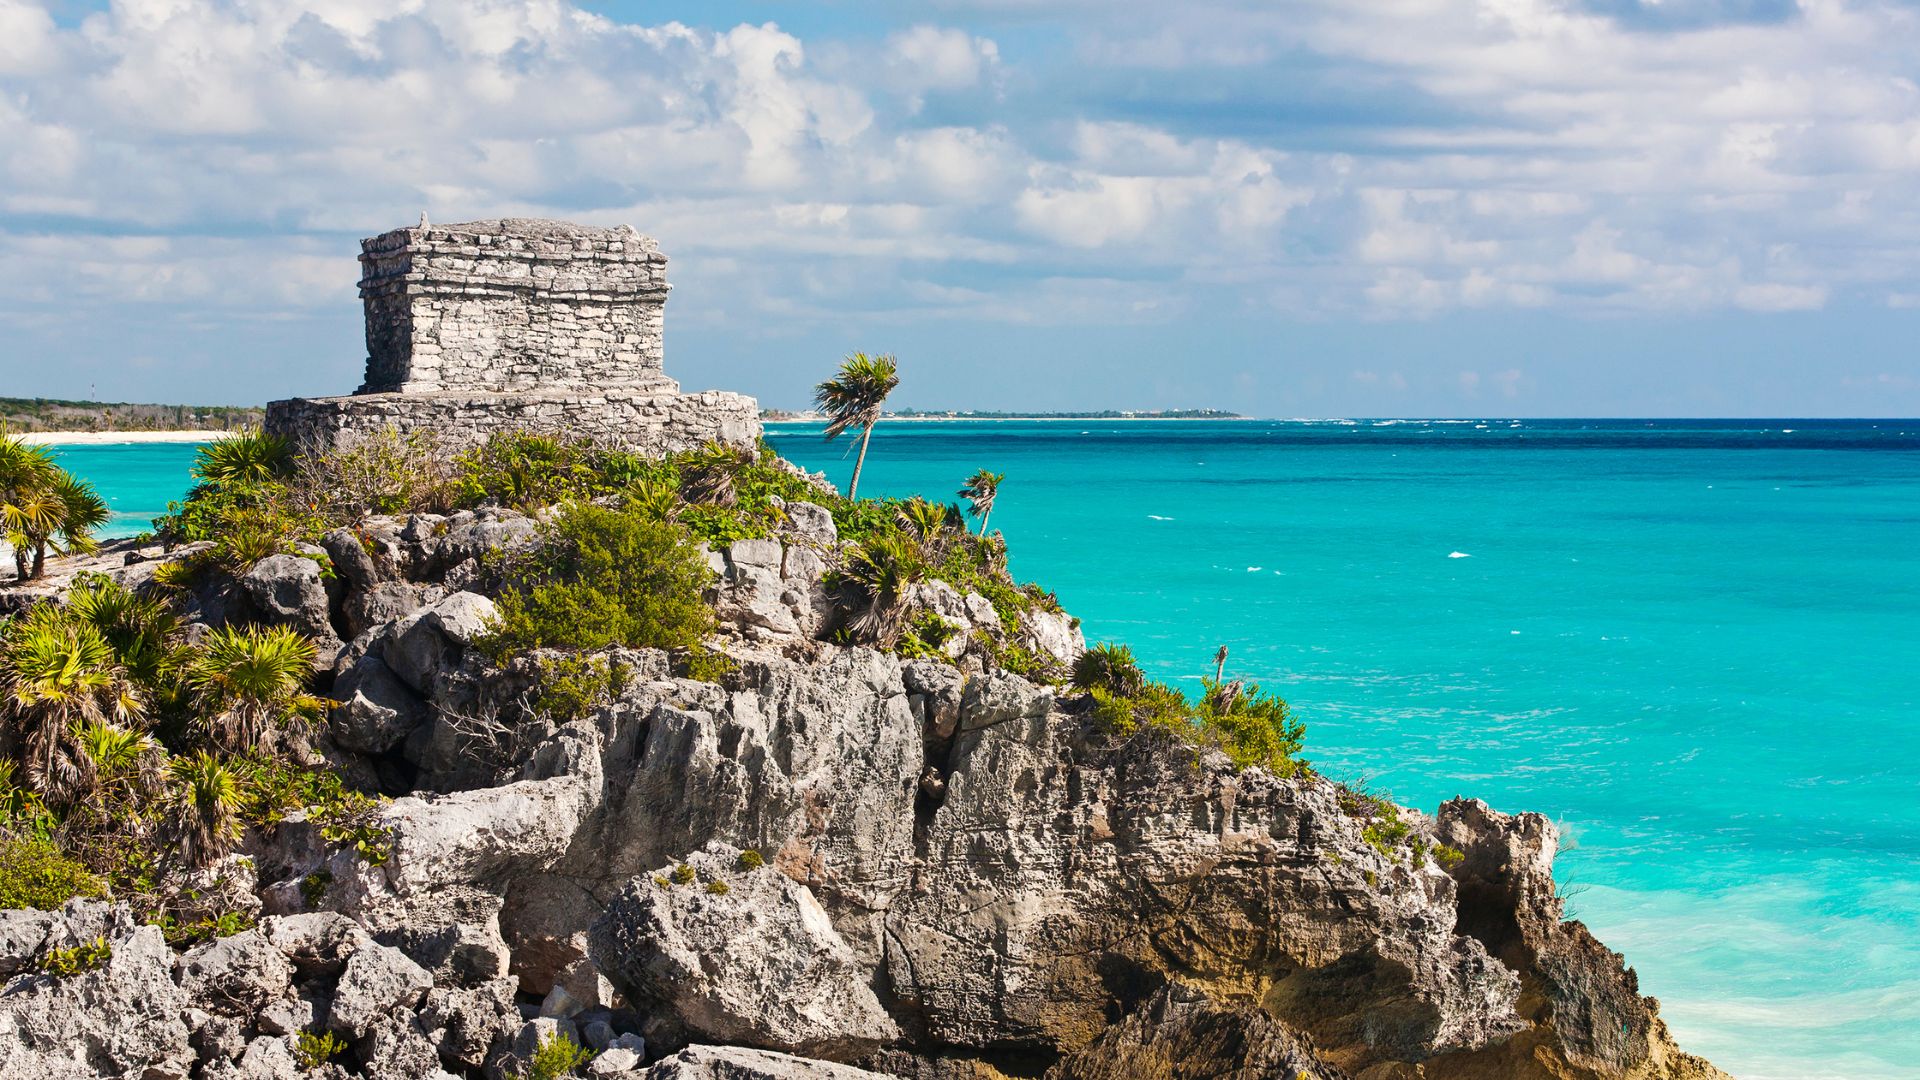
{"points": [[379, 472], [718, 888], [313, 887], [683, 874], [36, 874], [1111, 668], [523, 469], [702, 664], [572, 687], [1251, 727], [751, 860], [312, 1049], [1385, 835], [600, 577], [84, 957], [1448, 857], [556, 1056]]}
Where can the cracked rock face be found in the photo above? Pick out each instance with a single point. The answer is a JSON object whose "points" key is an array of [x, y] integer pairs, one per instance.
{"points": [[731, 955]]}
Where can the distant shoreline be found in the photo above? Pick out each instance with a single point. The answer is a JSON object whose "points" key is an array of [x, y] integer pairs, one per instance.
{"points": [[108, 438]]}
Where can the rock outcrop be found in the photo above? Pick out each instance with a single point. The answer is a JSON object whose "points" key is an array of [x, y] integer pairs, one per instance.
{"points": [[830, 863]]}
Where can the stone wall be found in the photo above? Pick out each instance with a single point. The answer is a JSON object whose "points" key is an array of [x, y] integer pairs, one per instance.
{"points": [[513, 304], [517, 325], [653, 423]]}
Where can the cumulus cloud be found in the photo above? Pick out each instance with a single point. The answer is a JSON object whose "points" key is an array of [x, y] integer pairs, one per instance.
{"points": [[1418, 156]]}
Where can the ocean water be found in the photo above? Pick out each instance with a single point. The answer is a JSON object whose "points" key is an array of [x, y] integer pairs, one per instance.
{"points": [[1696, 645]]}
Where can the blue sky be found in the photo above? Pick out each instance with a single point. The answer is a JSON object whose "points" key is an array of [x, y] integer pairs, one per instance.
{"points": [[1322, 207]]}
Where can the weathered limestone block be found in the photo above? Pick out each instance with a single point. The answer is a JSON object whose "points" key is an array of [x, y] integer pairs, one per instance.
{"points": [[740, 1063], [739, 956]]}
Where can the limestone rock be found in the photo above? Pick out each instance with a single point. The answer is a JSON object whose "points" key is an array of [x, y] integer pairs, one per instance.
{"points": [[22, 932], [318, 943], [286, 590], [378, 982], [124, 1018], [1000, 698], [759, 964], [740, 1063], [1178, 1034], [376, 709], [238, 975], [418, 647]]}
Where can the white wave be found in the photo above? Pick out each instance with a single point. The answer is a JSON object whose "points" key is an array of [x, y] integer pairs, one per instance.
{"points": [[1458, 555], [1253, 569], [1157, 517]]}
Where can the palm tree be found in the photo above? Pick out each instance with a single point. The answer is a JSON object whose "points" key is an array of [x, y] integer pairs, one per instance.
{"points": [[852, 399], [27, 505], [1109, 668], [206, 796], [249, 457], [142, 630], [707, 475], [878, 573], [244, 681], [1220, 664], [981, 489], [58, 674]]}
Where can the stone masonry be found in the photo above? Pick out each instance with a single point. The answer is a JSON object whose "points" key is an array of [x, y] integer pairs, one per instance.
{"points": [[517, 324]]}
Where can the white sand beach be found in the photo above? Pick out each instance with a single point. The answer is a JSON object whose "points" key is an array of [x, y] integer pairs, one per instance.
{"points": [[98, 438]]}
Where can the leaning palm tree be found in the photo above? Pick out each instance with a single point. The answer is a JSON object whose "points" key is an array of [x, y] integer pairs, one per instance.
{"points": [[244, 682], [57, 674], [206, 796], [853, 398], [980, 491]]}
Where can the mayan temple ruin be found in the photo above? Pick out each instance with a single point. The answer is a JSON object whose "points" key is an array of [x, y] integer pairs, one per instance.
{"points": [[517, 324]]}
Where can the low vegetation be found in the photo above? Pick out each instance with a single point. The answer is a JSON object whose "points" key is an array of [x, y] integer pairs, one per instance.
{"points": [[556, 1056], [1251, 727]]}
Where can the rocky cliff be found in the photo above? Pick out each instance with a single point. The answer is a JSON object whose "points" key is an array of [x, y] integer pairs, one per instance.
{"points": [[820, 861]]}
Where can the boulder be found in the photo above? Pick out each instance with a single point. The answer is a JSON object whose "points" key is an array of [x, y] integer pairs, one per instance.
{"points": [[999, 698], [318, 943], [238, 975], [756, 962], [812, 524], [287, 590], [376, 711], [22, 932], [379, 981], [419, 646]]}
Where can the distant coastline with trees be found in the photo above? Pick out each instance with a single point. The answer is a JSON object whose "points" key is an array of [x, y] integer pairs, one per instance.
{"points": [[789, 416]]}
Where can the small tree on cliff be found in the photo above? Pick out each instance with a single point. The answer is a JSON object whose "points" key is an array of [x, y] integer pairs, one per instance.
{"points": [[852, 399], [43, 506], [980, 491]]}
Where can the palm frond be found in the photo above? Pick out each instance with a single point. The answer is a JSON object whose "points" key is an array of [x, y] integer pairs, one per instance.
{"points": [[853, 397]]}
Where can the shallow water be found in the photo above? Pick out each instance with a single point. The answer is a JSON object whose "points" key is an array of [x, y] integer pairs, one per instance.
{"points": [[1693, 644]]}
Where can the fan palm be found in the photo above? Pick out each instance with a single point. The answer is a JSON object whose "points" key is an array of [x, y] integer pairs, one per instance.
{"points": [[853, 398], [142, 630], [28, 507], [877, 574], [206, 796], [249, 457], [1109, 668], [653, 497], [59, 673], [980, 490], [244, 681], [928, 521], [707, 475], [126, 763]]}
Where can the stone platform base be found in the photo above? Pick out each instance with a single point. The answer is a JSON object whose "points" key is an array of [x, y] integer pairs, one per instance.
{"points": [[650, 421]]}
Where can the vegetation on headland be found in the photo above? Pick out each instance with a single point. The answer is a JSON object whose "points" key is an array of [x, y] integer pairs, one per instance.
{"points": [[142, 752], [54, 414]]}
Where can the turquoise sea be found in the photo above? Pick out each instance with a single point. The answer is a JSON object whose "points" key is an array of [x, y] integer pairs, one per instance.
{"points": [[1695, 644]]}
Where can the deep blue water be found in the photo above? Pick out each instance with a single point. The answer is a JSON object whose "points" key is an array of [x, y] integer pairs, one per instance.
{"points": [[1693, 644]]}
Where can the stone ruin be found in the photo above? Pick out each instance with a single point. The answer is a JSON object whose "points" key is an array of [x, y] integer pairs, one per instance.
{"points": [[517, 324]]}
